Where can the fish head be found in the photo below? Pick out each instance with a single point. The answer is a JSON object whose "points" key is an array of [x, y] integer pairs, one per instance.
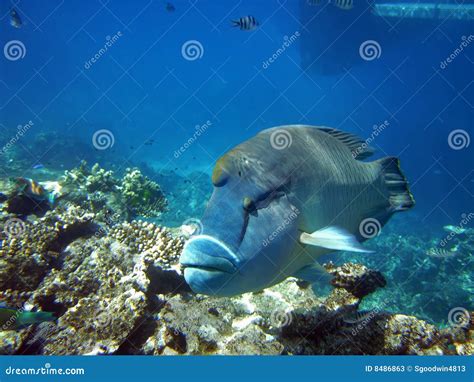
{"points": [[248, 231]]}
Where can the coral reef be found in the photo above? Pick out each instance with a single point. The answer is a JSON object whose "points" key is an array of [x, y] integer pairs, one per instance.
{"points": [[443, 281], [30, 248], [93, 180], [121, 291], [142, 196], [117, 288], [146, 237], [100, 191]]}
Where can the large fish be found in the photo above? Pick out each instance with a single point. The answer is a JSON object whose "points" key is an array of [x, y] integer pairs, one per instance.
{"points": [[283, 198]]}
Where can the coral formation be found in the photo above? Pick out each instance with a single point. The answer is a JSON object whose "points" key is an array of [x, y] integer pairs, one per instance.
{"points": [[30, 248], [146, 237], [123, 293], [142, 196], [117, 287], [99, 190], [442, 283]]}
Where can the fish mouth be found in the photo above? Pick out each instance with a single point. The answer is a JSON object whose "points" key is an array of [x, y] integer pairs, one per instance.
{"points": [[204, 268], [207, 254]]}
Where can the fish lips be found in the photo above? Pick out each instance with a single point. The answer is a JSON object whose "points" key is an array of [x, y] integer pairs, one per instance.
{"points": [[208, 254], [208, 264]]}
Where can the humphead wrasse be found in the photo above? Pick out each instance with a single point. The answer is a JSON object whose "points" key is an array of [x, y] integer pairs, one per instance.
{"points": [[282, 199]]}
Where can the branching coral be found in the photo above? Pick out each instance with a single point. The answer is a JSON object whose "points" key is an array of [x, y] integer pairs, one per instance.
{"points": [[142, 196], [96, 179], [146, 237], [100, 191]]}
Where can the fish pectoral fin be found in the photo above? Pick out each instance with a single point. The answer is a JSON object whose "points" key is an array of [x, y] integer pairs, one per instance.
{"points": [[332, 237], [313, 273]]}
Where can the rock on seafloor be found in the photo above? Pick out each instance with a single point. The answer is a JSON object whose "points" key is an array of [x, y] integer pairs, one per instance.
{"points": [[120, 291]]}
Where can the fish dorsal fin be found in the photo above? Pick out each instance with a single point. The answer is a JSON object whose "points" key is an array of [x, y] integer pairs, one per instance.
{"points": [[359, 148], [333, 238]]}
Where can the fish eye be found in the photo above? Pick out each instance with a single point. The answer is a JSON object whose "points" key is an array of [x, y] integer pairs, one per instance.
{"points": [[248, 204]]}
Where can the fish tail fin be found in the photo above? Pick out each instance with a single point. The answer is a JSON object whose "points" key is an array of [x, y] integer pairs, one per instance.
{"points": [[29, 318], [51, 199], [399, 196]]}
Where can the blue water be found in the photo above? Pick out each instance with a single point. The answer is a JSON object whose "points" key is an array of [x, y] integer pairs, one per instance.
{"points": [[142, 87]]}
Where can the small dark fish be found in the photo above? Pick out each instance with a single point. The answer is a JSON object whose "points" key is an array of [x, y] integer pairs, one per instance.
{"points": [[132, 148], [15, 20], [343, 4], [246, 23], [3, 197], [38, 166], [149, 142], [170, 7]]}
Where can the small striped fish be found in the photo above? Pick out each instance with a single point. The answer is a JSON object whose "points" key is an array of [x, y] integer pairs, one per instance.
{"points": [[440, 253], [356, 317], [343, 4], [246, 23]]}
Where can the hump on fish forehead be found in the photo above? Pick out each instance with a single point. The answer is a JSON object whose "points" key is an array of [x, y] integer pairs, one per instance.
{"points": [[225, 166]]}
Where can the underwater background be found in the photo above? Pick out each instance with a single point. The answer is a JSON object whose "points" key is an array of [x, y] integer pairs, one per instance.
{"points": [[169, 87]]}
